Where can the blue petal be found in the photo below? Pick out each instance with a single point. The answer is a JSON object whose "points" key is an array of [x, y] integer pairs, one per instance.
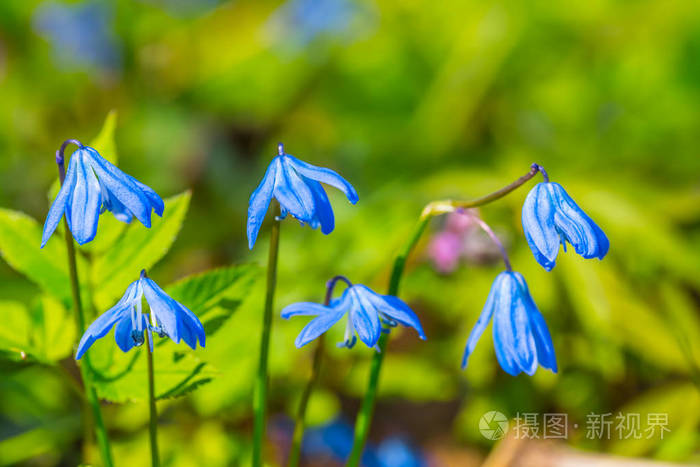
{"points": [[112, 204], [514, 343], [364, 317], [123, 331], [586, 237], [163, 307], [101, 326], [324, 211], [304, 309], [484, 318], [121, 186], [190, 321], [394, 308], [324, 175], [543, 340], [294, 194], [85, 202], [260, 201], [538, 225], [318, 326], [156, 201], [58, 208]]}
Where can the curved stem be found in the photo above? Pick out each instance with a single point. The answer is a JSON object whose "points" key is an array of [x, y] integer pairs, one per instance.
{"points": [[485, 227], [153, 412], [300, 425], [435, 208], [90, 392], [260, 394]]}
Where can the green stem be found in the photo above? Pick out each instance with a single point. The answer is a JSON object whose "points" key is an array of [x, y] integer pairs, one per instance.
{"points": [[435, 208], [90, 393], [260, 393], [300, 426], [153, 421]]}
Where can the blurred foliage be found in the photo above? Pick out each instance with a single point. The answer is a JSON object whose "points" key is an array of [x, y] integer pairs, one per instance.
{"points": [[410, 102]]}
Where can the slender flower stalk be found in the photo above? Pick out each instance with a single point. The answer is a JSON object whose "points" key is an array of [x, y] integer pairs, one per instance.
{"points": [[435, 208], [90, 392], [300, 425], [261, 381], [153, 421]]}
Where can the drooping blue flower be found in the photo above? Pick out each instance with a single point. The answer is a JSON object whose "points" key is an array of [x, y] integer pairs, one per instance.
{"points": [[167, 318], [295, 184], [551, 218], [94, 185], [366, 310], [520, 335]]}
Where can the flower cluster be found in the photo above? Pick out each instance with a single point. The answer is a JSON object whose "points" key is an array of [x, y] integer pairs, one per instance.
{"points": [[520, 335]]}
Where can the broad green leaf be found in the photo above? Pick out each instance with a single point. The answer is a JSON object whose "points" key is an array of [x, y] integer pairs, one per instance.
{"points": [[44, 333], [213, 296], [20, 236], [138, 248], [223, 288]]}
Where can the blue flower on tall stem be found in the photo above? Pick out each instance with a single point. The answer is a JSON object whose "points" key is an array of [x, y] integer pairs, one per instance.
{"points": [[520, 335], [551, 218], [93, 185], [366, 310], [167, 318], [295, 184]]}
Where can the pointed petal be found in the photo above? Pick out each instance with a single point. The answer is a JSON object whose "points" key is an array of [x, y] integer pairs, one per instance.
{"points": [[163, 307], [394, 308], [538, 225], [260, 201], [543, 339], [484, 318], [294, 194], [121, 186], [191, 321], [85, 204], [365, 317], [324, 211], [324, 175], [101, 326], [586, 237], [515, 345], [113, 205], [156, 201], [59, 205], [318, 326], [304, 309]]}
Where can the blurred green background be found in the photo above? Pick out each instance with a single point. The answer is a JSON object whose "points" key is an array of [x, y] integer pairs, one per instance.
{"points": [[411, 101]]}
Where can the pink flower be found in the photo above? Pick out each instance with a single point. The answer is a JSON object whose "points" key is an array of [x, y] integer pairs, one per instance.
{"points": [[445, 250]]}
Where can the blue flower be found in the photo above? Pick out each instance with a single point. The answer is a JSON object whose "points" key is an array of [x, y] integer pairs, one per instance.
{"points": [[295, 184], [92, 186], [366, 311], [167, 318], [551, 218], [520, 335]]}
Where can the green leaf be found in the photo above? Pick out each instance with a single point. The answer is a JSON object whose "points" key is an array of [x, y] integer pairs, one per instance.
{"points": [[44, 333], [20, 236], [215, 294], [138, 248]]}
